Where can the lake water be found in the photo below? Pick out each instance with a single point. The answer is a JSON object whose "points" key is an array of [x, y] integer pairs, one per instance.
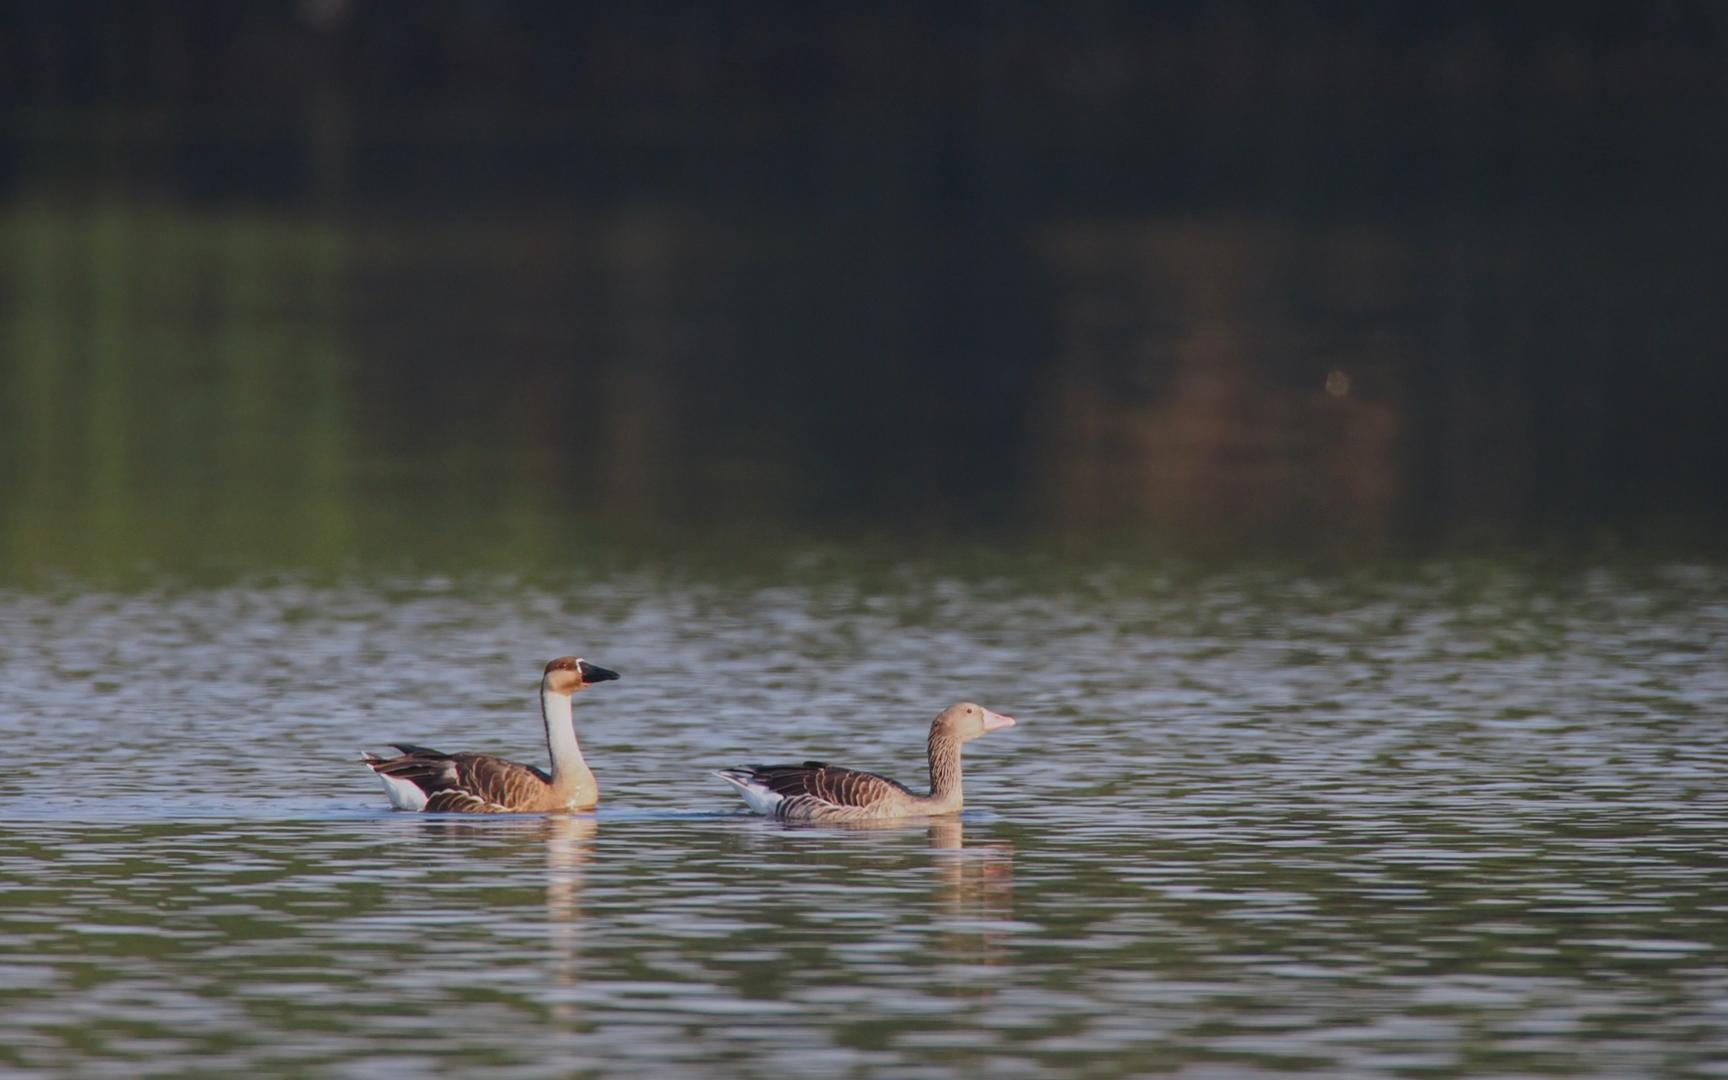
{"points": [[1425, 819], [1338, 510]]}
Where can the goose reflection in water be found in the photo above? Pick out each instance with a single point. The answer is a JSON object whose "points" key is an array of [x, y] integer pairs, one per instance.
{"points": [[974, 894], [977, 898], [567, 841], [569, 845]]}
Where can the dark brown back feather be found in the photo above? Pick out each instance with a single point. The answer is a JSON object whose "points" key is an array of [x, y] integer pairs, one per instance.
{"points": [[829, 783]]}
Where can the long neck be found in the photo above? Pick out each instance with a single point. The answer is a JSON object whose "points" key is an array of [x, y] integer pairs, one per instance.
{"points": [[944, 770], [569, 771]]}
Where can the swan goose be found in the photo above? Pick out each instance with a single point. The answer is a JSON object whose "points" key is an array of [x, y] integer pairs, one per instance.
{"points": [[424, 779], [817, 791]]}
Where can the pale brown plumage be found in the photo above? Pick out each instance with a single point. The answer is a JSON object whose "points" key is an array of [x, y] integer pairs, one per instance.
{"points": [[421, 778], [817, 791]]}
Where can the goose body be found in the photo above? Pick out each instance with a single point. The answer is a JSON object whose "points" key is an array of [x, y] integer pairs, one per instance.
{"points": [[818, 791], [420, 778]]}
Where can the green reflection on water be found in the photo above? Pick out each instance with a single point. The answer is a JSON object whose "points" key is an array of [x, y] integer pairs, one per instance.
{"points": [[175, 391], [216, 394]]}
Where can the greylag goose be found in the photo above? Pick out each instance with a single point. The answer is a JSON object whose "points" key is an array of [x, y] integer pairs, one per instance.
{"points": [[423, 779], [817, 791]]}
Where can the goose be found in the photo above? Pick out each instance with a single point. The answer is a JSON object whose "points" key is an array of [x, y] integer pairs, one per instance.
{"points": [[424, 779], [817, 791]]}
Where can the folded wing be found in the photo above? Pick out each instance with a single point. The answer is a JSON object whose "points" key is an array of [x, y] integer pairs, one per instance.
{"points": [[465, 783], [811, 789]]}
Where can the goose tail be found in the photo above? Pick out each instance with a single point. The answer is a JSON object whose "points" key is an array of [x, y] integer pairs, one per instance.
{"points": [[755, 792], [741, 775]]}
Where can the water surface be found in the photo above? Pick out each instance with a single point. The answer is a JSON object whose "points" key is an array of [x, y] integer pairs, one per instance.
{"points": [[1442, 819]]}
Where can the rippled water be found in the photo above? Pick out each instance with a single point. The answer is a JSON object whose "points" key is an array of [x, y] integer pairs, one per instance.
{"points": [[1453, 819]]}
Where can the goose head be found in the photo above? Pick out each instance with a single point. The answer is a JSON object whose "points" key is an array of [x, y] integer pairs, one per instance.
{"points": [[568, 674], [966, 721]]}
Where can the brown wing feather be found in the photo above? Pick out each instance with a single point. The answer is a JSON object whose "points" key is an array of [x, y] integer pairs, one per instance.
{"points": [[457, 801], [813, 782], [426, 769], [467, 783]]}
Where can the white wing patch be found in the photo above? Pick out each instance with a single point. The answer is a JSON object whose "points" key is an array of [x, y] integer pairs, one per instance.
{"points": [[759, 797], [403, 794]]}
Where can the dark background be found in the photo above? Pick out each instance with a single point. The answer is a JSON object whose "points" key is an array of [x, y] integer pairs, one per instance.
{"points": [[303, 280]]}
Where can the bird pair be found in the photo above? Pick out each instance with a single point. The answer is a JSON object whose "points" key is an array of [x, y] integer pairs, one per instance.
{"points": [[423, 779]]}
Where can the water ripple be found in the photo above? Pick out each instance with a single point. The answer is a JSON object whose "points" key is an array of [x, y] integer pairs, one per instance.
{"points": [[1437, 824]]}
